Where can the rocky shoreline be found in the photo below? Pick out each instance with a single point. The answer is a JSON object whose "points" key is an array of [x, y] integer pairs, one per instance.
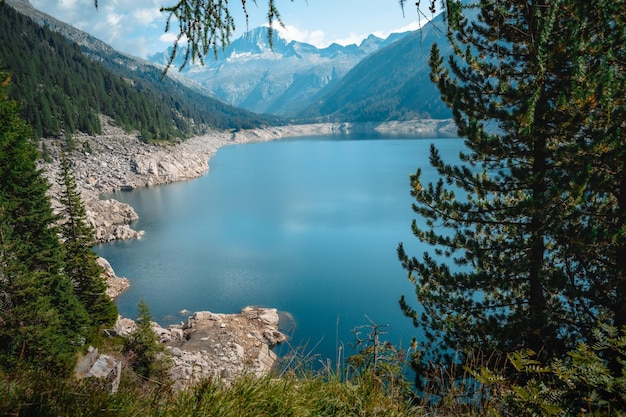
{"points": [[214, 346], [118, 161], [209, 344], [218, 346]]}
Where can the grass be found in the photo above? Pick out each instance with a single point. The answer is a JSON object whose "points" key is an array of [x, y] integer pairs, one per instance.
{"points": [[28, 394], [289, 396], [368, 384]]}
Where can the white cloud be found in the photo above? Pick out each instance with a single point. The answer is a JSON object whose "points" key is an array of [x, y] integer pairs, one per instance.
{"points": [[68, 4], [147, 16], [415, 25], [293, 33], [317, 38], [113, 19], [168, 37], [352, 38]]}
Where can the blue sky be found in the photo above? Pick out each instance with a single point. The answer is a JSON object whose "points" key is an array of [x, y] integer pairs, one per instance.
{"points": [[137, 26]]}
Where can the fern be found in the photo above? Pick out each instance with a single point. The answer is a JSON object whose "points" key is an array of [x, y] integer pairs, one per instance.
{"points": [[590, 379]]}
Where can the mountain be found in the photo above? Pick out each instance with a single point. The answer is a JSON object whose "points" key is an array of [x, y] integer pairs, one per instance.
{"points": [[283, 79], [392, 83], [377, 80], [86, 76]]}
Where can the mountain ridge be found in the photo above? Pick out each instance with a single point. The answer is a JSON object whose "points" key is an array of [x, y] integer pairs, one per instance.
{"points": [[194, 106], [282, 78], [376, 80], [392, 83]]}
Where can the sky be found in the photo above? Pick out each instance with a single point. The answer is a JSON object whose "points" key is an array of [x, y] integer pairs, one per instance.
{"points": [[137, 27]]}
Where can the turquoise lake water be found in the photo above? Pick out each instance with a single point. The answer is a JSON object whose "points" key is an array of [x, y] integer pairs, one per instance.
{"points": [[309, 226]]}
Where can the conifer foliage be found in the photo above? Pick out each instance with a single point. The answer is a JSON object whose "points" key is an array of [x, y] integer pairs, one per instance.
{"points": [[532, 88], [593, 243], [41, 321], [52, 293], [143, 348], [80, 261]]}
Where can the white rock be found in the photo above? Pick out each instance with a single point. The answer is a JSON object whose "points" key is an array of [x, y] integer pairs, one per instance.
{"points": [[176, 352], [241, 353], [177, 334], [124, 326]]}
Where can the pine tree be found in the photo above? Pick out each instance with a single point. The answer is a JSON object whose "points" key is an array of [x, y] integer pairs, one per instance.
{"points": [[143, 347], [41, 321], [80, 261], [593, 244], [499, 277]]}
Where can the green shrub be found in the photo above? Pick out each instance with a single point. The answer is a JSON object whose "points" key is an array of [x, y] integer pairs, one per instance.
{"points": [[590, 380]]}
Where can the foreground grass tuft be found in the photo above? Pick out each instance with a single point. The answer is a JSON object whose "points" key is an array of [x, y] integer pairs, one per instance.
{"points": [[29, 394], [591, 380], [313, 396]]}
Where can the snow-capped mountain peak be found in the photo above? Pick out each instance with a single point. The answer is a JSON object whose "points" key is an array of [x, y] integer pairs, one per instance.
{"points": [[280, 78]]}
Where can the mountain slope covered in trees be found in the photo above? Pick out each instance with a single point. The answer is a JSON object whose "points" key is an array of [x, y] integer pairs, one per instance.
{"points": [[62, 90], [390, 84]]}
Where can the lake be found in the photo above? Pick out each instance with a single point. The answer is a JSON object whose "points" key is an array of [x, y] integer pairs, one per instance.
{"points": [[309, 226]]}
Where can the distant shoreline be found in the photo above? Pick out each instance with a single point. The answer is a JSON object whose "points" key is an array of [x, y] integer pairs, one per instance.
{"points": [[118, 161]]}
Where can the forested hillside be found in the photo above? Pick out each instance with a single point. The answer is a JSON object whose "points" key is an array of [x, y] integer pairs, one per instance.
{"points": [[390, 84], [60, 89], [52, 293]]}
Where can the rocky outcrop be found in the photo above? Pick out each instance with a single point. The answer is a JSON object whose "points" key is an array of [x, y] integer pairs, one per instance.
{"points": [[211, 345], [223, 345], [115, 285], [110, 220]]}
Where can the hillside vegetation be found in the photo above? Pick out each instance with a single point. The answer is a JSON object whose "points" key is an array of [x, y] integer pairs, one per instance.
{"points": [[392, 83], [61, 89]]}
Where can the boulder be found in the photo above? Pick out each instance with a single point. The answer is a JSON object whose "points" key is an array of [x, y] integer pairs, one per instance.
{"points": [[224, 345], [115, 285], [177, 334], [105, 367], [124, 326]]}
